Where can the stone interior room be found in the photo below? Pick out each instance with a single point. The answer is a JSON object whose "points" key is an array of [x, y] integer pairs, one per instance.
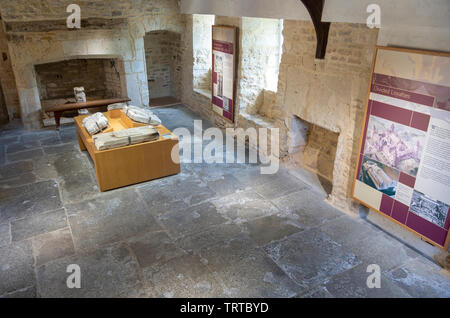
{"points": [[139, 224]]}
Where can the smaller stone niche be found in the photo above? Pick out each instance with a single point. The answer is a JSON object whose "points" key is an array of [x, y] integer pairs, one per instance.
{"points": [[313, 148]]}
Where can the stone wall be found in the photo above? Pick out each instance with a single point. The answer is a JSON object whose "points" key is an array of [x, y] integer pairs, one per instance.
{"points": [[114, 78], [330, 93], [7, 80], [163, 59], [319, 153], [26, 10]]}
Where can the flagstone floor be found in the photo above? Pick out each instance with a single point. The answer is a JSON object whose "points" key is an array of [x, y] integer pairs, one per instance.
{"points": [[214, 230]]}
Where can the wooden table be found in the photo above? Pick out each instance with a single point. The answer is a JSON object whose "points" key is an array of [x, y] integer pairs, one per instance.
{"points": [[132, 164], [58, 110]]}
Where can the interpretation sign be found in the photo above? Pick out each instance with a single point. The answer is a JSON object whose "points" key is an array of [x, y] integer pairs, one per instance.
{"points": [[224, 70], [404, 161]]}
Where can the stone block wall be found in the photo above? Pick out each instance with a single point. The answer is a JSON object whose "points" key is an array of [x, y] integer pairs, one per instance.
{"points": [[26, 10], [57, 80], [115, 85], [7, 81], [329, 93], [320, 151]]}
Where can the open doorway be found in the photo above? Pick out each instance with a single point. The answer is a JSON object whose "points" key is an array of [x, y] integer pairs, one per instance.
{"points": [[4, 118], [163, 61]]}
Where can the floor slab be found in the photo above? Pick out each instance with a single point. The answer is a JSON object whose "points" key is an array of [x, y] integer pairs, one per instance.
{"points": [[16, 267], [422, 279], [108, 219], [106, 272], [310, 257], [24, 201], [52, 245], [38, 224], [246, 271]]}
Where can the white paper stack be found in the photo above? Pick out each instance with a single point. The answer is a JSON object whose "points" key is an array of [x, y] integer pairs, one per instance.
{"points": [[141, 115], [125, 137], [80, 97], [95, 123]]}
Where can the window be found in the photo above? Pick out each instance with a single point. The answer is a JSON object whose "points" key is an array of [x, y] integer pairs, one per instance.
{"points": [[202, 42]]}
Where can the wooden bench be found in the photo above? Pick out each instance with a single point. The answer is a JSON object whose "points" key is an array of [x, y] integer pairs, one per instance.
{"points": [[58, 110]]}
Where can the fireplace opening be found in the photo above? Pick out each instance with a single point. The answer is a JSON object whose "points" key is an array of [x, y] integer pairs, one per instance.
{"points": [[4, 118], [313, 147], [163, 62], [101, 79]]}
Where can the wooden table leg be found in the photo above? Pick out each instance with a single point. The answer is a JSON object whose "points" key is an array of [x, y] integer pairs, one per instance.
{"points": [[58, 119], [81, 143]]}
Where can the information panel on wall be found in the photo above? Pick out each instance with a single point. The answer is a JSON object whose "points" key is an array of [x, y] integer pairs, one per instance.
{"points": [[224, 70], [404, 161]]}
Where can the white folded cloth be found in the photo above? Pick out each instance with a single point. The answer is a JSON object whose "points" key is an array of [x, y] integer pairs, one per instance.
{"points": [[117, 106], [141, 115], [95, 123], [125, 137]]}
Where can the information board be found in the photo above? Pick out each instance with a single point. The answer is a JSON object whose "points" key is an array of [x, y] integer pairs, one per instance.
{"points": [[403, 170], [224, 70]]}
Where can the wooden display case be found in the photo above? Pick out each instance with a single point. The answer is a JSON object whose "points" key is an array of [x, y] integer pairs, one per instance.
{"points": [[132, 164]]}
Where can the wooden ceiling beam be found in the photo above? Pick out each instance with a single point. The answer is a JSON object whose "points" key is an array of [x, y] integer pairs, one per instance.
{"points": [[315, 9]]}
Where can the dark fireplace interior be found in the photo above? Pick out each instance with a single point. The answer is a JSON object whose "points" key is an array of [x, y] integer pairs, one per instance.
{"points": [[101, 78]]}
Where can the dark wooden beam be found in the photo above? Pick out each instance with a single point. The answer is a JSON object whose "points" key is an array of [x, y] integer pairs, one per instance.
{"points": [[315, 9]]}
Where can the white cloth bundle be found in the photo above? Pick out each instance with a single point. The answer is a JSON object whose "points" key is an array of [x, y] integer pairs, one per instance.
{"points": [[117, 106], [95, 123], [80, 97], [141, 115], [125, 137]]}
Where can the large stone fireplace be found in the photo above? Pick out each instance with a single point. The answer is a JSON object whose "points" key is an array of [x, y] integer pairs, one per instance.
{"points": [[106, 63]]}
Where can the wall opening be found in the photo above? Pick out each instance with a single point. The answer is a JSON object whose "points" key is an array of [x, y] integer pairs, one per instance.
{"points": [[314, 148], [163, 62], [101, 79], [4, 118], [202, 52], [261, 42]]}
